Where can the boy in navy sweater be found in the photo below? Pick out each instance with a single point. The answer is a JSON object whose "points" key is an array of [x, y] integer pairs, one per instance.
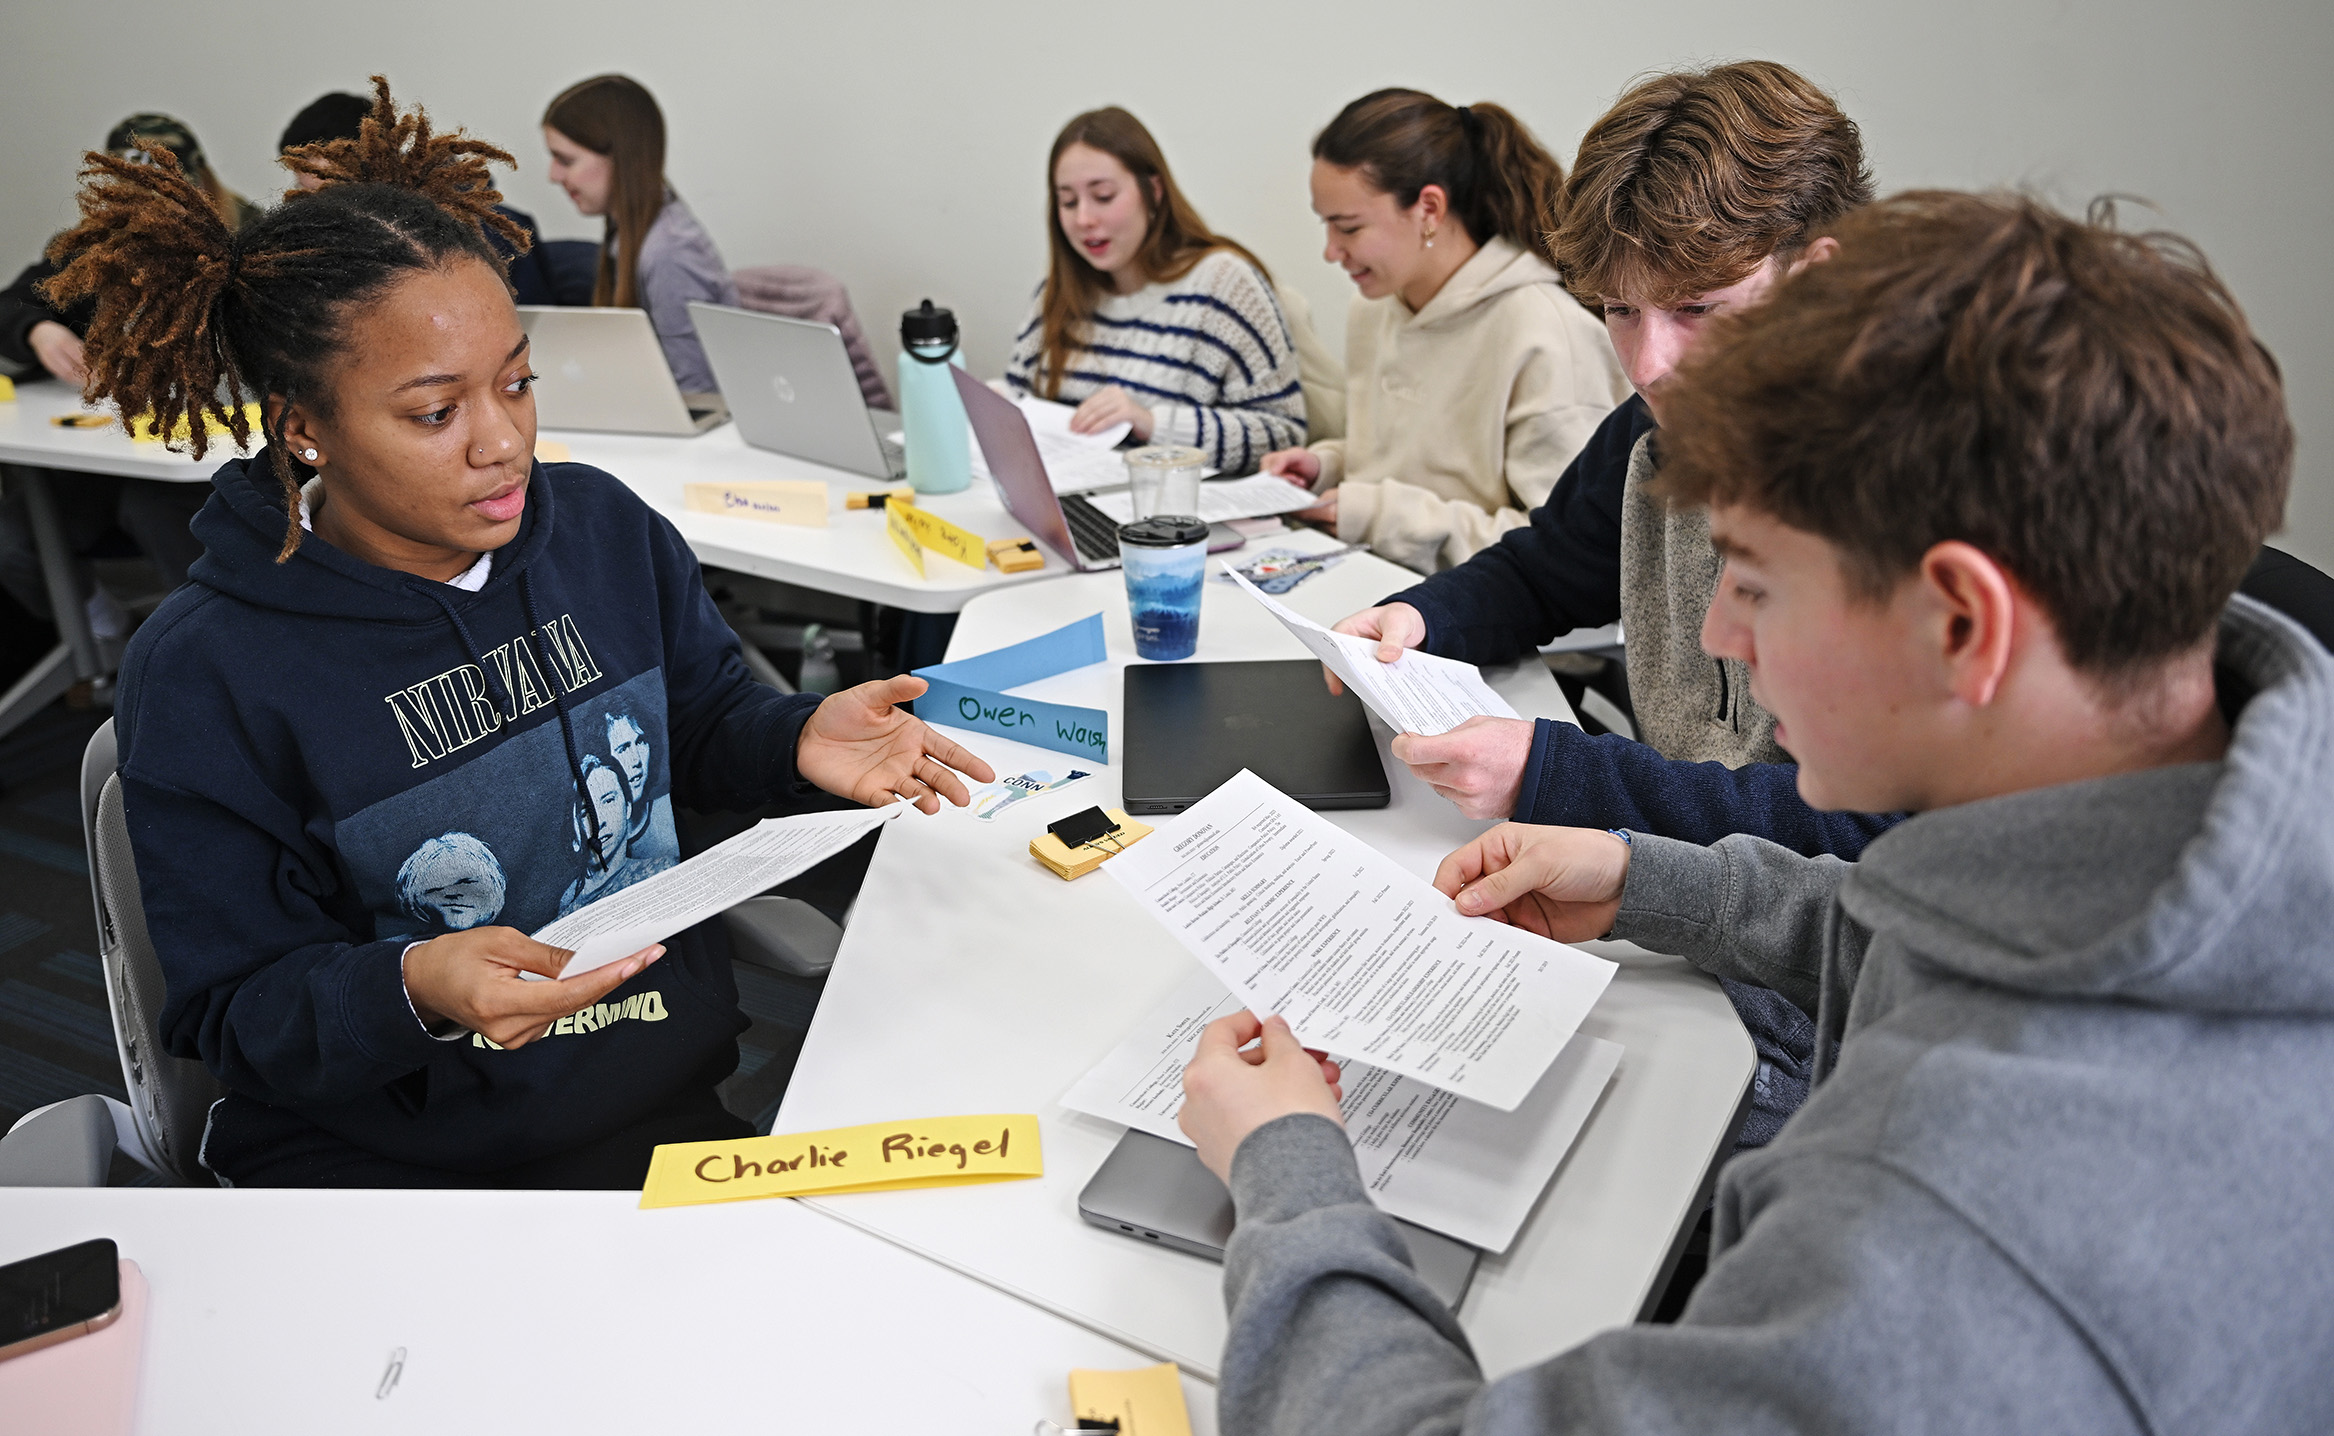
{"points": [[422, 696], [1689, 200]]}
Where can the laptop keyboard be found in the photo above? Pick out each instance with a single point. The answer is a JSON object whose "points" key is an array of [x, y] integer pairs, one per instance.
{"points": [[1095, 533]]}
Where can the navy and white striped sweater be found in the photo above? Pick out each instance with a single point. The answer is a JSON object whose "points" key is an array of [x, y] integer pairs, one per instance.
{"points": [[1209, 354]]}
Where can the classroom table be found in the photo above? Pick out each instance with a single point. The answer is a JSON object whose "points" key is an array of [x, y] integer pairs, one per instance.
{"points": [[972, 980], [28, 438], [568, 1312], [852, 556]]}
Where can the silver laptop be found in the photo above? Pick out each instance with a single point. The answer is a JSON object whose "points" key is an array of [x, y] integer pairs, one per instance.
{"points": [[603, 370], [1154, 1190], [792, 390], [1082, 534]]}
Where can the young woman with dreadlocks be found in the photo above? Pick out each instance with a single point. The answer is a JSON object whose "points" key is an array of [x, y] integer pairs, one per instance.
{"points": [[364, 752]]}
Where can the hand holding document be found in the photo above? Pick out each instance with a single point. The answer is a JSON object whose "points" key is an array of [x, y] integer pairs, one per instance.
{"points": [[1416, 693], [1298, 917], [1448, 1164], [1074, 462], [714, 881]]}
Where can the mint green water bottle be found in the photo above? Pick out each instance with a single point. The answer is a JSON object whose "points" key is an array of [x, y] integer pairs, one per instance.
{"points": [[932, 418]]}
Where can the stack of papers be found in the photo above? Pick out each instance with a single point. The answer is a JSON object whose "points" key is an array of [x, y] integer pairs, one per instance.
{"points": [[1074, 462], [1454, 1166], [1416, 693], [1221, 501], [1466, 1078]]}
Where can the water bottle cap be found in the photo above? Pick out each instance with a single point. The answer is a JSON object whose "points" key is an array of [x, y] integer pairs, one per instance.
{"points": [[927, 325], [1163, 531]]}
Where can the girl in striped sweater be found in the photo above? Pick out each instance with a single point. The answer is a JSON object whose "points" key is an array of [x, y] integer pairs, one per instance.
{"points": [[1147, 318]]}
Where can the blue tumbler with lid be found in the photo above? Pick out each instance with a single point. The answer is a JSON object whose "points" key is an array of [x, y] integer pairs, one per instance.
{"points": [[938, 440], [1165, 559]]}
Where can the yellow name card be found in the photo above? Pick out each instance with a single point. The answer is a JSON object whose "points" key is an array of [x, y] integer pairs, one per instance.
{"points": [[879, 1157], [1145, 1402], [773, 501], [943, 537], [903, 538]]}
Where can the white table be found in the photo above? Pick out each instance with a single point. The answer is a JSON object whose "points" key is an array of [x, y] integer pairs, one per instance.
{"points": [[565, 1312], [27, 437], [973, 980], [852, 556]]}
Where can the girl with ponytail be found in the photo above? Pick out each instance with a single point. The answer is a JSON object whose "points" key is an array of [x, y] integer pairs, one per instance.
{"points": [[406, 638], [1472, 377]]}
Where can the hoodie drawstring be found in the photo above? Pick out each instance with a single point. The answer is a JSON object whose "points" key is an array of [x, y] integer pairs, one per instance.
{"points": [[593, 858]]}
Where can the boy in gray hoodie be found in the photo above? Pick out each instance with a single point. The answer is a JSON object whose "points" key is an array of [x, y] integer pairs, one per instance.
{"points": [[1984, 486]]}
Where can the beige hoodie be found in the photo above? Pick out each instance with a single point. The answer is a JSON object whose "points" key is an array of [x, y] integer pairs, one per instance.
{"points": [[1460, 418]]}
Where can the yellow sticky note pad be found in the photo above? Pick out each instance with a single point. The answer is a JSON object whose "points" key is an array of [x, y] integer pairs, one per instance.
{"points": [[7, 390], [550, 451], [146, 433], [773, 501], [903, 538], [943, 537], [879, 1157], [1145, 1402]]}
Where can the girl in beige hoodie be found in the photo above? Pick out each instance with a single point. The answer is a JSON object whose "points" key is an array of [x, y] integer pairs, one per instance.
{"points": [[1472, 377]]}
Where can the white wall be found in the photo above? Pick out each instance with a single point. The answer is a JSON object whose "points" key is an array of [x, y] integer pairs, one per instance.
{"points": [[901, 144]]}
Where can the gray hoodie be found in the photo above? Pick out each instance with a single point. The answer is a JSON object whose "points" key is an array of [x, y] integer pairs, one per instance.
{"points": [[2069, 1170]]}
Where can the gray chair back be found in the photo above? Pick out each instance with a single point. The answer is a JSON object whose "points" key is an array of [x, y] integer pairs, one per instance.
{"points": [[798, 291], [170, 1097]]}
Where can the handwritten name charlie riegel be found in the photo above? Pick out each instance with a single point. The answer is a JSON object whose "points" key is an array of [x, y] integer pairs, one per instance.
{"points": [[899, 1153]]}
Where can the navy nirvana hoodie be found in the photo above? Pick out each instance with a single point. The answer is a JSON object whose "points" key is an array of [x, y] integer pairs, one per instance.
{"points": [[324, 761]]}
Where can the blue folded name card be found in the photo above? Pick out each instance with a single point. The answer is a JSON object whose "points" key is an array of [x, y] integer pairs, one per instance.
{"points": [[970, 692]]}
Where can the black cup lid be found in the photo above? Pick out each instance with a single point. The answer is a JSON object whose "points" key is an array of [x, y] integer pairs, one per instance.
{"points": [[926, 325], [1163, 531]]}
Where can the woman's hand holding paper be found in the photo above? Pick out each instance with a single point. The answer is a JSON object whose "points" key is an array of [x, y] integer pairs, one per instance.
{"points": [[1563, 883], [859, 745], [1231, 1089], [478, 978]]}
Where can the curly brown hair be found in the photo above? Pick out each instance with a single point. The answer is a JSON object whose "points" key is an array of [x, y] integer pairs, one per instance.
{"points": [[2087, 406], [192, 318], [1692, 179]]}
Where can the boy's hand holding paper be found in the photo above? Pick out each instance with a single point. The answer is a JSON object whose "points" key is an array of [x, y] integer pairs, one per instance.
{"points": [[1416, 693], [1298, 917]]}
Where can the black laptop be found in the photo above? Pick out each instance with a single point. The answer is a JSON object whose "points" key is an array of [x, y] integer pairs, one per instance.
{"points": [[1191, 727]]}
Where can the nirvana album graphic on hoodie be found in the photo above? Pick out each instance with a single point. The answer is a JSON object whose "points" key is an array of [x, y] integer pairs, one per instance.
{"points": [[505, 839]]}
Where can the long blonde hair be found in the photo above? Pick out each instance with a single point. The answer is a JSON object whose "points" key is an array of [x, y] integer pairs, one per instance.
{"points": [[1176, 239]]}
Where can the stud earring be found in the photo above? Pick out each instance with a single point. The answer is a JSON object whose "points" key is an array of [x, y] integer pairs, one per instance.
{"points": [[309, 455]]}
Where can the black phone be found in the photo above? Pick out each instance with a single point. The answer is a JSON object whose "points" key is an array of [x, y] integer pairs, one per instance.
{"points": [[59, 1295]]}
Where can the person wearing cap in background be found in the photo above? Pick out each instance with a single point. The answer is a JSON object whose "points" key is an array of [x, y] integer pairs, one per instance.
{"points": [[36, 337]]}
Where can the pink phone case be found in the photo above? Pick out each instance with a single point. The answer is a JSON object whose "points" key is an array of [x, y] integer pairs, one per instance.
{"points": [[87, 1386]]}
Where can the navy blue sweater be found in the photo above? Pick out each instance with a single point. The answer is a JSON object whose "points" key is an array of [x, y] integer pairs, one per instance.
{"points": [[1560, 572], [324, 761]]}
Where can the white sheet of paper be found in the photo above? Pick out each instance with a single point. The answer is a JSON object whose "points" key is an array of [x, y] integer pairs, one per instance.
{"points": [[1448, 1164], [1416, 693], [1221, 500], [721, 877], [1298, 917], [1074, 463]]}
